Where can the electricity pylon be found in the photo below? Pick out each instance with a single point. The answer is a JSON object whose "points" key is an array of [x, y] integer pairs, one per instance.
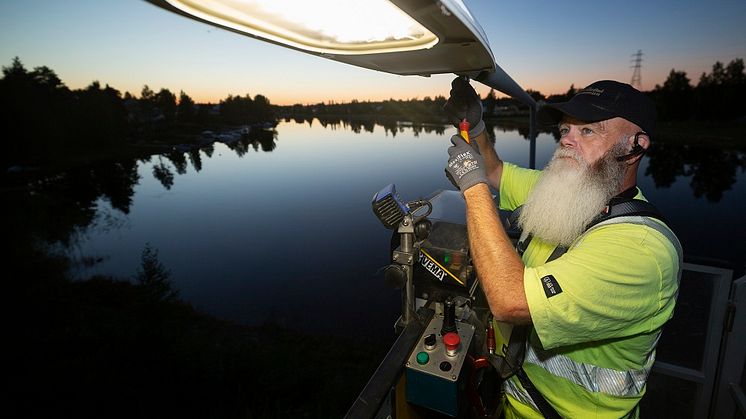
{"points": [[636, 76]]}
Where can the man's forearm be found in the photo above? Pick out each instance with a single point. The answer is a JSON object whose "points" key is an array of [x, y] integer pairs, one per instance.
{"points": [[493, 164], [499, 268]]}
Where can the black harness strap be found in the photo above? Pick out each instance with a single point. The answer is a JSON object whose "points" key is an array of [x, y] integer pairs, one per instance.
{"points": [[623, 208], [558, 251], [546, 409]]}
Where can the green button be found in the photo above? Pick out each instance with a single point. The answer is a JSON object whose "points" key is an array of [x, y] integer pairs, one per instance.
{"points": [[423, 358]]}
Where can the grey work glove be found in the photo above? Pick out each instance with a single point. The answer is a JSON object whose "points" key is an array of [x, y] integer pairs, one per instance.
{"points": [[464, 102], [465, 166]]}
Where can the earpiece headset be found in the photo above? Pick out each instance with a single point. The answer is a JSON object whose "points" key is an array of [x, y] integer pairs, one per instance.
{"points": [[637, 149]]}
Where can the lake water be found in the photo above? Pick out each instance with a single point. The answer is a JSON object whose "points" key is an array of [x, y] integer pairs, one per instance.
{"points": [[284, 231]]}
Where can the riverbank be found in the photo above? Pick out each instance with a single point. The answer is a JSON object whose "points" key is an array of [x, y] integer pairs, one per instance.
{"points": [[185, 139]]}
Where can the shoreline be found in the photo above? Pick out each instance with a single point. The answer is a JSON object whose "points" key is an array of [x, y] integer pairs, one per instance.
{"points": [[710, 134]]}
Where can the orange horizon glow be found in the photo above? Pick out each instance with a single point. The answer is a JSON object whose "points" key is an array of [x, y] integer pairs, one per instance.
{"points": [[312, 97], [350, 84]]}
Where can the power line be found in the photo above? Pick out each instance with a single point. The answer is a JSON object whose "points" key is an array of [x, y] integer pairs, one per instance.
{"points": [[636, 74]]}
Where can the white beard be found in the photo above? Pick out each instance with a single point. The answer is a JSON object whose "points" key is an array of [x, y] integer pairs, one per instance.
{"points": [[569, 194]]}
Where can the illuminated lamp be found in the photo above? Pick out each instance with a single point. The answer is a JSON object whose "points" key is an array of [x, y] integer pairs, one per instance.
{"points": [[405, 37]]}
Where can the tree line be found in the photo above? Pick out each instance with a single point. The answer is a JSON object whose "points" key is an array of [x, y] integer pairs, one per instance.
{"points": [[718, 96], [50, 121], [416, 110]]}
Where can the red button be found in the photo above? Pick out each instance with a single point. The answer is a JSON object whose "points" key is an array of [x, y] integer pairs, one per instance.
{"points": [[452, 341]]}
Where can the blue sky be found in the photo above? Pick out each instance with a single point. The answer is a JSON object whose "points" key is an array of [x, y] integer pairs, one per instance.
{"points": [[545, 46]]}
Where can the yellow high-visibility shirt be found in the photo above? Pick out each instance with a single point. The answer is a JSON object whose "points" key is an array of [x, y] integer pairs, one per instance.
{"points": [[597, 313]]}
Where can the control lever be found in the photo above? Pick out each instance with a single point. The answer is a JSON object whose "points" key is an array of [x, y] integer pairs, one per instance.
{"points": [[449, 317]]}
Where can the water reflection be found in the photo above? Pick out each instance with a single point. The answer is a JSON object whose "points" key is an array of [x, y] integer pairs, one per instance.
{"points": [[279, 236], [247, 248], [256, 138], [195, 159], [521, 127], [163, 174], [357, 125], [712, 171]]}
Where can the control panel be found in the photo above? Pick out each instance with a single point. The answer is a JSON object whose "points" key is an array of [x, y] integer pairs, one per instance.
{"points": [[442, 356], [435, 370]]}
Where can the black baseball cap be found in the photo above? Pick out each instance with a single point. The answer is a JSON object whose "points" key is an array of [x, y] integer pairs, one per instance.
{"points": [[603, 100]]}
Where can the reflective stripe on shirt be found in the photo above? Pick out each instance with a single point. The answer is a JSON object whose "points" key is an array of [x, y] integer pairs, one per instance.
{"points": [[515, 391], [591, 377]]}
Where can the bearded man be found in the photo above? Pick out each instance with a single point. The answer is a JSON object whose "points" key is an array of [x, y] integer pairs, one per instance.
{"points": [[595, 298]]}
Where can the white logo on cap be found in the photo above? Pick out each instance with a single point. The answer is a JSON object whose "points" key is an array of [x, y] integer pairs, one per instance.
{"points": [[591, 91]]}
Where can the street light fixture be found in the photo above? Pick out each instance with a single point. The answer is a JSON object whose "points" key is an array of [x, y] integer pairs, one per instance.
{"points": [[316, 26], [405, 37]]}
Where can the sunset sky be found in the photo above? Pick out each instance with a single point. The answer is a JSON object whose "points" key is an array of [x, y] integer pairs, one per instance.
{"points": [[545, 46]]}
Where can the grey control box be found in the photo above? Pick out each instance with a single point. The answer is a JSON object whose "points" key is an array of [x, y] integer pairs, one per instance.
{"points": [[435, 377], [437, 355]]}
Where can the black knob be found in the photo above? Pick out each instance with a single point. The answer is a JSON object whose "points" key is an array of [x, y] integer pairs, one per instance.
{"points": [[430, 341], [422, 229]]}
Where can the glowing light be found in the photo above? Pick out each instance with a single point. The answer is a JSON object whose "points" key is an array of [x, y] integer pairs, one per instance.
{"points": [[323, 26]]}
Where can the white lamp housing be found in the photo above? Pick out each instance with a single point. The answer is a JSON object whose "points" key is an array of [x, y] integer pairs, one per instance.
{"points": [[405, 37]]}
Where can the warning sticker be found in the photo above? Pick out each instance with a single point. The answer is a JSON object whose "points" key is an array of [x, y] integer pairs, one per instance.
{"points": [[435, 268]]}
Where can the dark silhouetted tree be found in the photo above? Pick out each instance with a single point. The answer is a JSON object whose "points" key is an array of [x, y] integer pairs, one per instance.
{"points": [[15, 71], [675, 98], [536, 95], [100, 117], [165, 101], [489, 102], [147, 94], [237, 109], [147, 107], [262, 109], [564, 97], [185, 109], [34, 106], [45, 77], [154, 277], [720, 94]]}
